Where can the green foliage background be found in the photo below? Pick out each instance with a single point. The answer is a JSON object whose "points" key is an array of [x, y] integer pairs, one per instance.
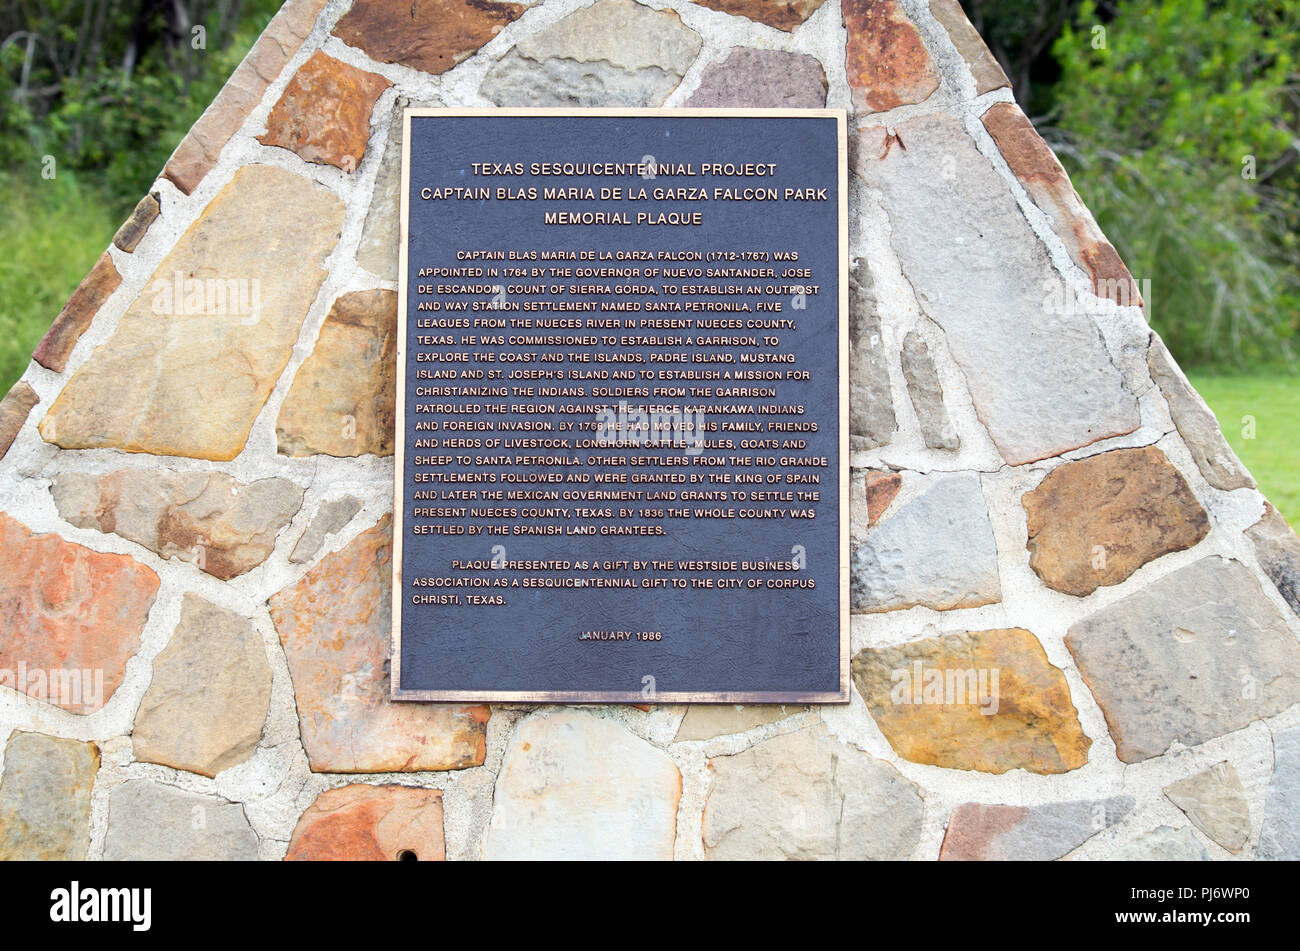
{"points": [[1178, 125], [108, 125]]}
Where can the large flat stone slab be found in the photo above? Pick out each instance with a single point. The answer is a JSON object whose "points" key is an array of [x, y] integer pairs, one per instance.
{"points": [[576, 787], [1042, 382], [70, 617], [210, 693], [982, 700], [808, 796], [1197, 654], [45, 798], [335, 625], [187, 371]]}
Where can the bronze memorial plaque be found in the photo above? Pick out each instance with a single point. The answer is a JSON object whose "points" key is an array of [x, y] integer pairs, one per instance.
{"points": [[622, 407]]}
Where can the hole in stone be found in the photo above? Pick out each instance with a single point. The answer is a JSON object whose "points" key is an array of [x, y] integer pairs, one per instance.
{"points": [[406, 855]]}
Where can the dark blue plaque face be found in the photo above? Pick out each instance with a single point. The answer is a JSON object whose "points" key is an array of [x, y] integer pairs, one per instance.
{"points": [[622, 416]]}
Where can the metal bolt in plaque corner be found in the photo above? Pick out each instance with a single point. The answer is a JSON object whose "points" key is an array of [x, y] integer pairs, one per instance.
{"points": [[622, 407]]}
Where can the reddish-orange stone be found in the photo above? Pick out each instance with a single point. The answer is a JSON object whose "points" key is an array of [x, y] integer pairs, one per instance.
{"points": [[429, 35], [362, 823], [782, 14], [887, 62], [73, 321], [974, 827], [1048, 184], [881, 489], [66, 610], [324, 113]]}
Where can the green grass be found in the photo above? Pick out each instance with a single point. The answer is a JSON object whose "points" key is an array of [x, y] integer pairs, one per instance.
{"points": [[1272, 401], [53, 233]]}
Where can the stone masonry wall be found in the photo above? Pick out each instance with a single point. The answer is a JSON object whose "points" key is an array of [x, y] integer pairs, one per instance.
{"points": [[195, 500]]}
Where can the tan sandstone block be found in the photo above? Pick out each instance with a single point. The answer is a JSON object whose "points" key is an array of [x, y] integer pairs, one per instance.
{"points": [[186, 373], [335, 625], [343, 400], [211, 689], [984, 700], [1096, 521]]}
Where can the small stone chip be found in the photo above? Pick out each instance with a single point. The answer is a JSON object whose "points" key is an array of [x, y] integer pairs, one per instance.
{"points": [[133, 229]]}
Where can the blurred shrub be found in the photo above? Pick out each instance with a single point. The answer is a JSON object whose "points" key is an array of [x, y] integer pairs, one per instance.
{"points": [[1177, 121]]}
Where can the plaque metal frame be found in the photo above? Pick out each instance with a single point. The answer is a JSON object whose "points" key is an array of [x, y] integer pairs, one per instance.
{"points": [[397, 692]]}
